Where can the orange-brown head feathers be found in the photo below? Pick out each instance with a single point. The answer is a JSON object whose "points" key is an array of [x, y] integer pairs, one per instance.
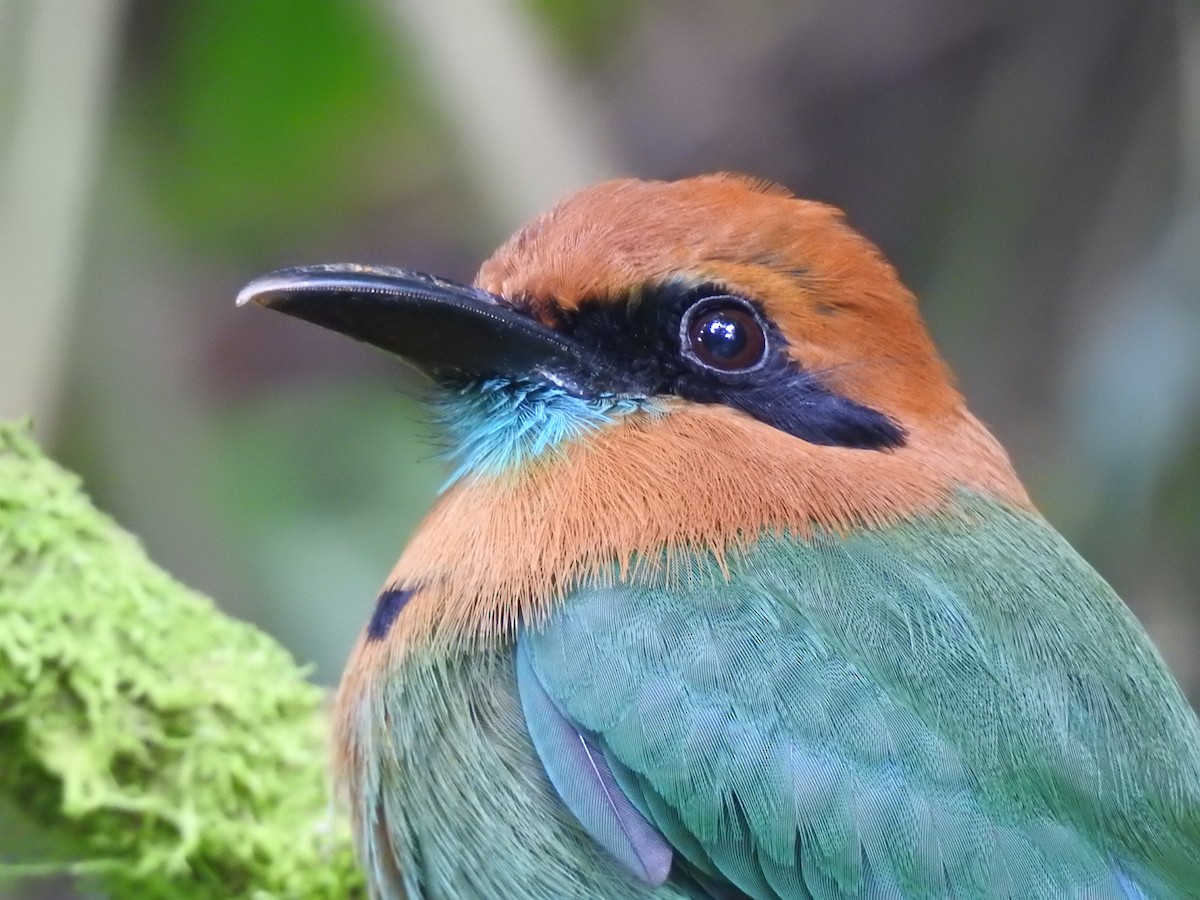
{"points": [[684, 475], [837, 300], [649, 369]]}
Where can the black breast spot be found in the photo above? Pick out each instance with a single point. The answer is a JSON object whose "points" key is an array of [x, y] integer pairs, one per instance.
{"points": [[389, 605]]}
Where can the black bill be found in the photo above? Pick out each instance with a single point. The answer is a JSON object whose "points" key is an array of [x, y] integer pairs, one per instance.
{"points": [[448, 330]]}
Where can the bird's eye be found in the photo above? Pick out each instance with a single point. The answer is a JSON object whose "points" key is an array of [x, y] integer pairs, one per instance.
{"points": [[724, 333]]}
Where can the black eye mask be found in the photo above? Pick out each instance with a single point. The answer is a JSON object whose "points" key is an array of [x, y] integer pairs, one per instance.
{"points": [[645, 340]]}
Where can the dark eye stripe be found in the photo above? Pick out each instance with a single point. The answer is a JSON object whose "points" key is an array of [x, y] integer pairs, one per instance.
{"points": [[650, 346]]}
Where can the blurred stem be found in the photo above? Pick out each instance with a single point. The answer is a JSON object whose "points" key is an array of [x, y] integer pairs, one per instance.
{"points": [[1189, 79], [527, 136], [131, 423], [62, 79]]}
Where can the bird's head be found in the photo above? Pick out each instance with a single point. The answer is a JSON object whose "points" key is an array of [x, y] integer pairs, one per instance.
{"points": [[659, 366]]}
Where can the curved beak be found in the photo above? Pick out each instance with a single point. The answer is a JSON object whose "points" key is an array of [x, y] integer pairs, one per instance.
{"points": [[445, 329]]}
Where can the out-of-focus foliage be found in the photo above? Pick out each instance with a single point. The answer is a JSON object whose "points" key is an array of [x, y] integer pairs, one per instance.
{"points": [[587, 30], [320, 515], [260, 118]]}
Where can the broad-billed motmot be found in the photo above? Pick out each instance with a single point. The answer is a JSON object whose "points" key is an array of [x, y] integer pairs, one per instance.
{"points": [[729, 595]]}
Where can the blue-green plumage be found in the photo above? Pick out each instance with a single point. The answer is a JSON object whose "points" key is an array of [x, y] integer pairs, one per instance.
{"points": [[455, 804], [953, 707], [584, 781]]}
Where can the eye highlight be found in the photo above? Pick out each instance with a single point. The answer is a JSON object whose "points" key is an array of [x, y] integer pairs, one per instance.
{"points": [[725, 334]]}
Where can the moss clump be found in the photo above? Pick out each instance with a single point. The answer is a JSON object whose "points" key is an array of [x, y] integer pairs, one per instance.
{"points": [[171, 751]]}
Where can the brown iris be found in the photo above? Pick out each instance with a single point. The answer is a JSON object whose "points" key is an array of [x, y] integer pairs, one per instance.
{"points": [[723, 333]]}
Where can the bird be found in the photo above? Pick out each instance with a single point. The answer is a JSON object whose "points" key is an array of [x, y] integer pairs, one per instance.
{"points": [[728, 594]]}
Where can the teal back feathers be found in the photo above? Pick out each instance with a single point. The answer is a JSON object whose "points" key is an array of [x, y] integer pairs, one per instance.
{"points": [[954, 707], [452, 803]]}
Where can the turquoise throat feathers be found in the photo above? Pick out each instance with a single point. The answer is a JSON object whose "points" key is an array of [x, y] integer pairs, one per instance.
{"points": [[498, 424]]}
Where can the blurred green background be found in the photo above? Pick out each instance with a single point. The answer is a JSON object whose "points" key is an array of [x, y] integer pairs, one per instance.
{"points": [[1033, 168]]}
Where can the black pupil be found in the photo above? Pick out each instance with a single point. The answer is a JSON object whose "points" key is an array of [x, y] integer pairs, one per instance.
{"points": [[726, 337], [722, 336]]}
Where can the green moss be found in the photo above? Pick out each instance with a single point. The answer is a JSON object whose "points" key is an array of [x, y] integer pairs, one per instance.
{"points": [[172, 751]]}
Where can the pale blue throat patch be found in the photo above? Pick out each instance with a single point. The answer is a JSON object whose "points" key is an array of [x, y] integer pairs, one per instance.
{"points": [[498, 424]]}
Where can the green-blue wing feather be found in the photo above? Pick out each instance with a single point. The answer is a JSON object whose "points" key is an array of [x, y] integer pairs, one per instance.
{"points": [[452, 802], [954, 707], [585, 783]]}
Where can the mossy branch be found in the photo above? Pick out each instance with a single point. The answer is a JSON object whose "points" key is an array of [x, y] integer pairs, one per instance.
{"points": [[168, 750]]}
